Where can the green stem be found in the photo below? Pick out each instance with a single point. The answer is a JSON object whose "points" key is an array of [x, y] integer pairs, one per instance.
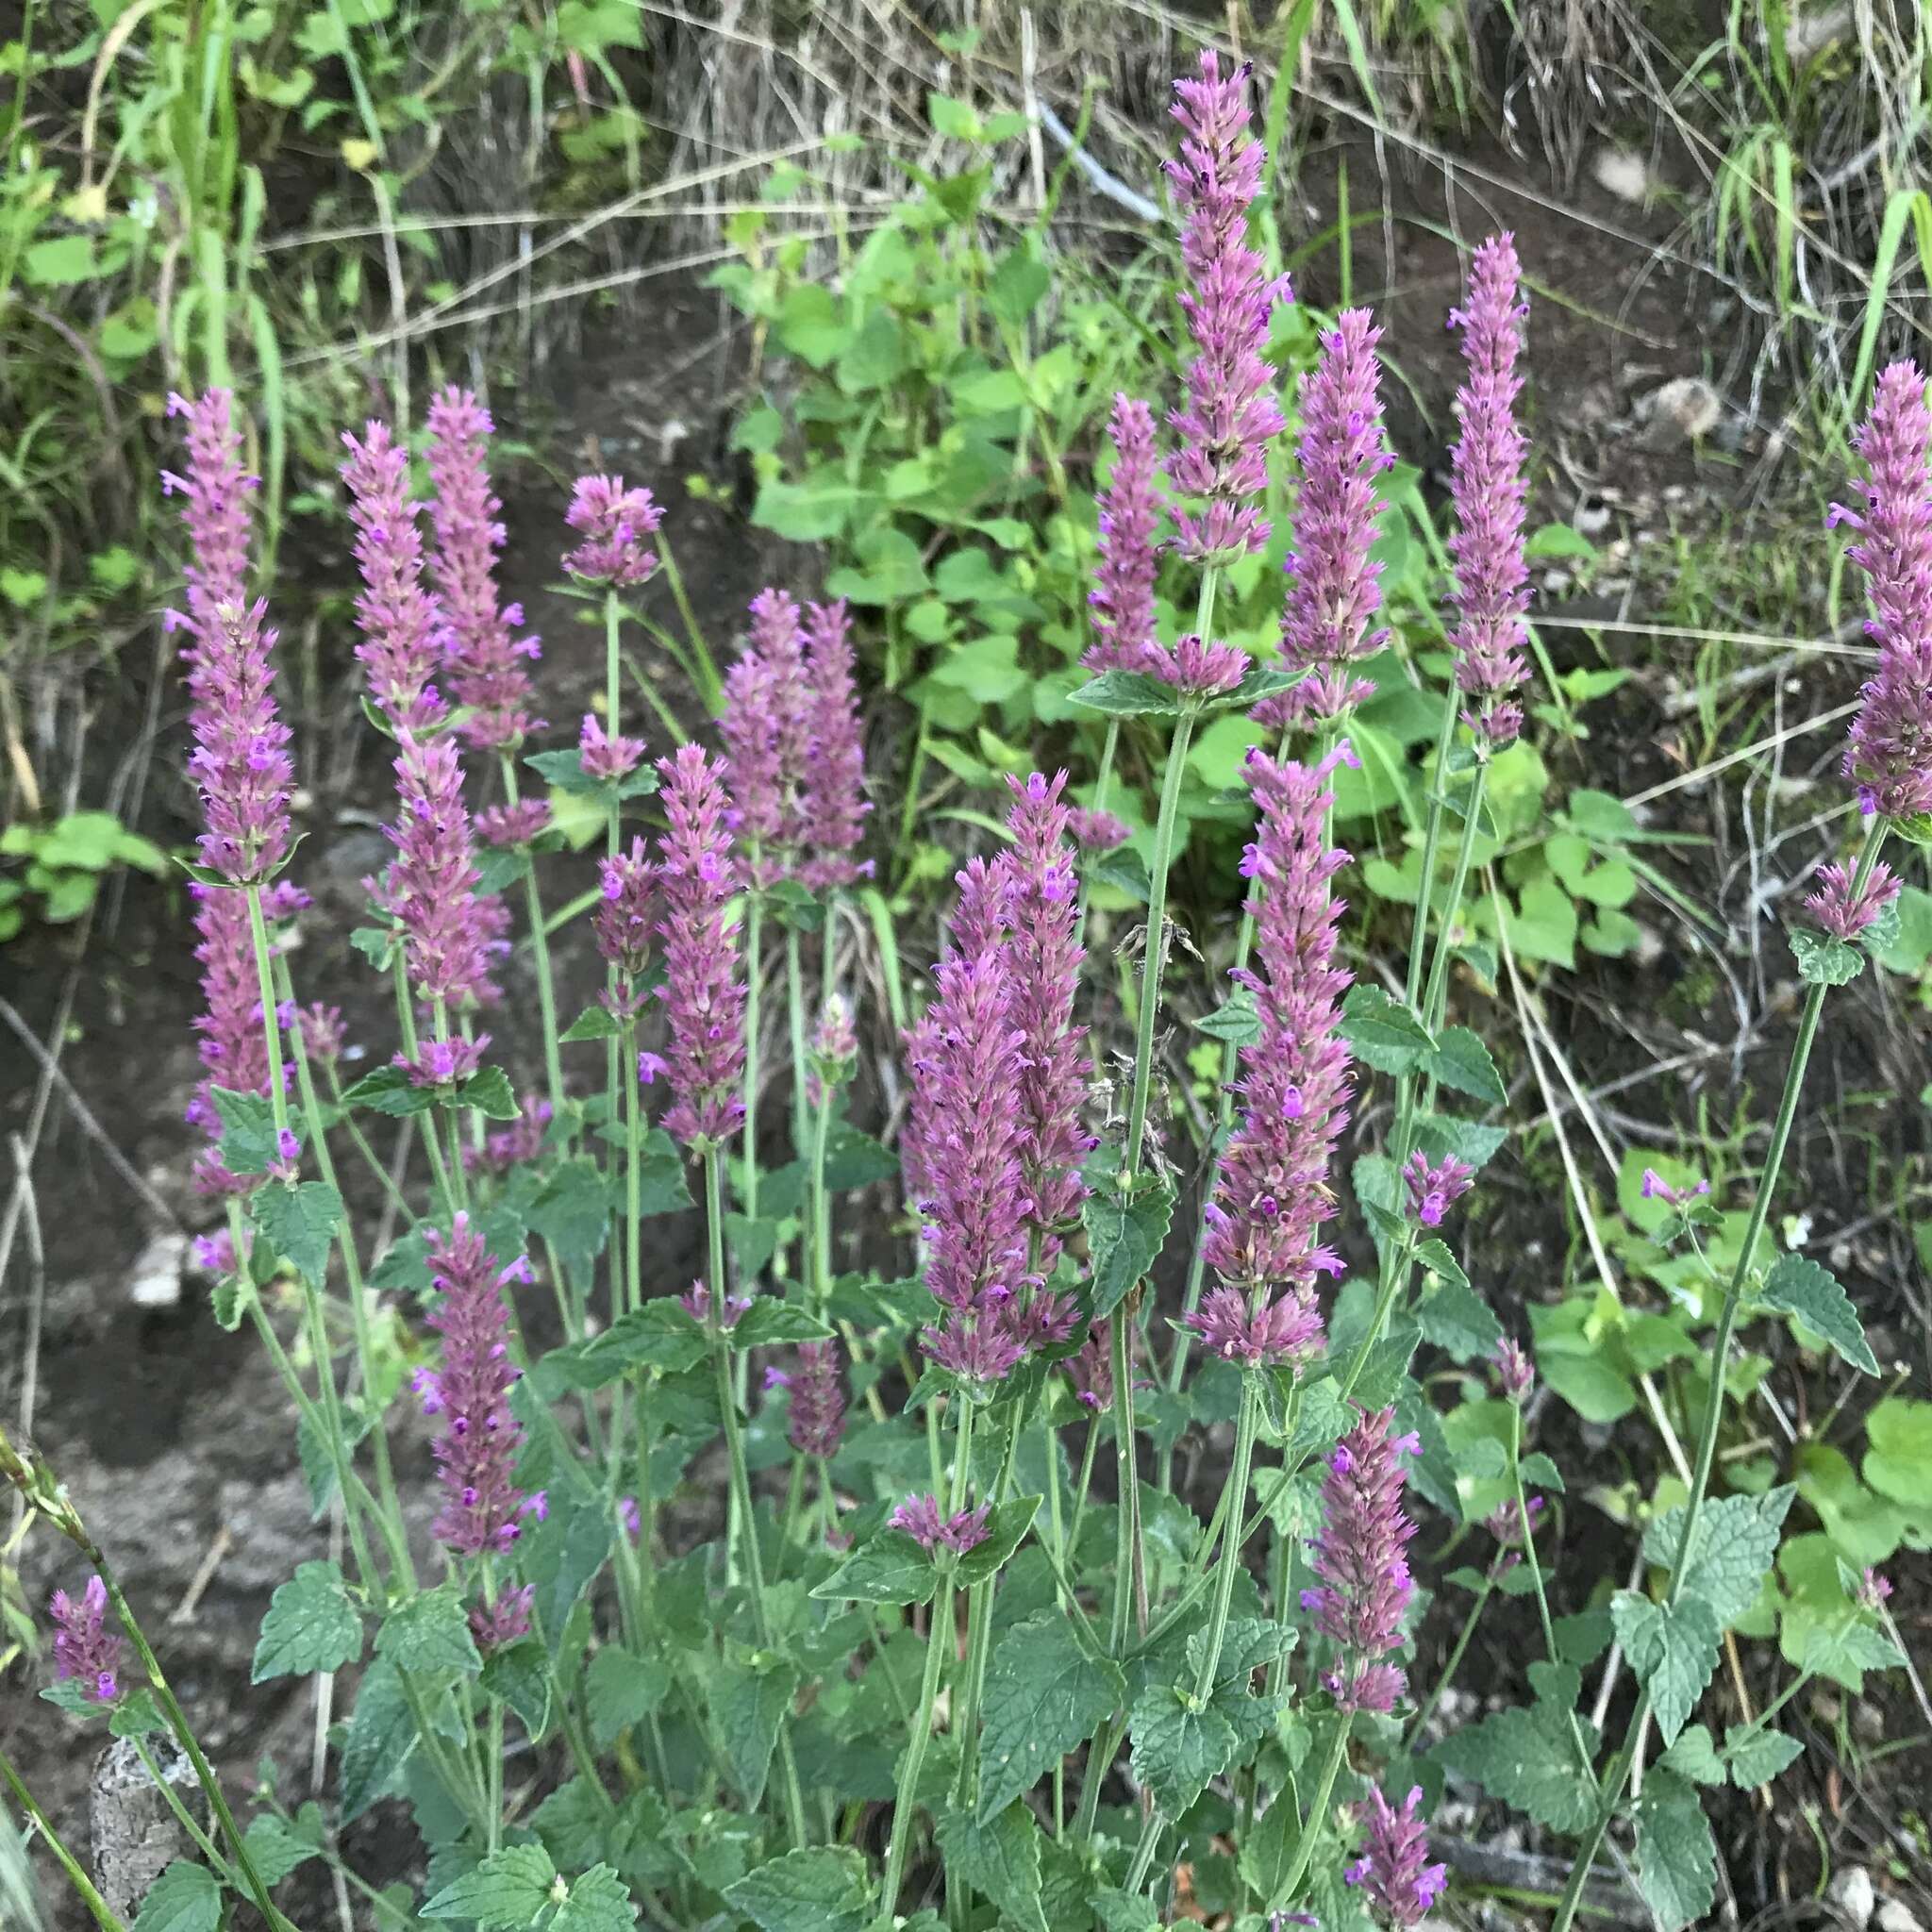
{"points": [[183, 1816], [1246, 1423], [795, 1000], [1119, 1331], [754, 955], [1525, 1524], [1448, 1674], [1615, 1777], [712, 689], [76, 1876], [821, 1204], [271, 1027], [540, 952], [406, 1023], [1311, 1823]]}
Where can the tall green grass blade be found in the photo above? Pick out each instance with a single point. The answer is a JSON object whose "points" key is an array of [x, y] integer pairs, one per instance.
{"points": [[1891, 234]]}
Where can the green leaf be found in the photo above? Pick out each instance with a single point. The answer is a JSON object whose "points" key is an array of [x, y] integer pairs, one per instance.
{"points": [[1899, 1462], [1676, 1856], [769, 1322], [1754, 1755], [1695, 1756], [660, 1335], [1127, 694], [1672, 1648], [1124, 1241], [1461, 1063], [1824, 961], [381, 1734], [519, 1676], [1384, 1033], [1177, 1749], [573, 1212], [136, 1715], [1126, 1911], [1044, 1695], [507, 1891], [310, 1626], [488, 1089], [185, 1898], [389, 1091], [248, 1131], [1005, 1530], [430, 1632], [299, 1223], [1455, 1319], [598, 1901], [998, 1857], [1235, 1018], [1737, 1538], [810, 326], [748, 1707], [890, 1569], [1529, 1760], [1439, 1135], [1799, 1287], [623, 1690], [856, 1160], [819, 1889], [276, 1848]]}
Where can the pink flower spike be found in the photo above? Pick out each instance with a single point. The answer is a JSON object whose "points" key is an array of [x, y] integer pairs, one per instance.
{"points": [[1129, 510], [1844, 914], [85, 1649], [615, 524], [1392, 1869], [605, 757], [404, 639], [1433, 1190]]}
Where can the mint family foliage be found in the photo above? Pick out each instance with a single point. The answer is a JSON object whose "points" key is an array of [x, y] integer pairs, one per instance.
{"points": [[947, 1646]]}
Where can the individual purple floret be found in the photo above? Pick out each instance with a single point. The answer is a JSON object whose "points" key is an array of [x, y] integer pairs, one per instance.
{"points": [[703, 991], [233, 1049], [1875, 1591], [1092, 1368], [1273, 1191], [506, 1148], [832, 805], [696, 1303], [322, 1032], [615, 524], [1433, 1190], [1655, 1188], [1199, 669], [834, 1048], [1096, 831], [1889, 756], [444, 1062], [85, 1649], [477, 1453], [404, 639], [969, 1137], [1513, 1369], [1843, 913], [1334, 588], [502, 1620], [764, 731], [241, 763], [817, 1422], [1506, 1521], [922, 1519], [505, 825], [1361, 1557], [1393, 1868], [604, 757], [447, 933], [1231, 414], [626, 917], [1489, 488], [1123, 595], [486, 656], [1043, 955]]}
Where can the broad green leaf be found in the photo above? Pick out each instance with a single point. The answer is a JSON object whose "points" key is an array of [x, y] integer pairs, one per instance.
{"points": [[1045, 1697], [1124, 1241], [1461, 1063], [1799, 1287], [1457, 1319], [1695, 1756], [573, 1212], [769, 1321], [1235, 1018], [185, 1898], [487, 1090], [1824, 961], [299, 1223], [1737, 1538], [1383, 1033], [1177, 1750], [748, 1707], [381, 1734], [1672, 1648], [276, 1848], [593, 1022], [248, 1131], [1899, 1463], [519, 1676], [1127, 694], [390, 1091], [1005, 1530], [999, 1858], [623, 1688], [136, 1715], [430, 1632], [1676, 1856], [503, 1894], [890, 1569], [598, 1901], [820, 1889], [310, 1626], [1754, 1755], [1529, 1760]]}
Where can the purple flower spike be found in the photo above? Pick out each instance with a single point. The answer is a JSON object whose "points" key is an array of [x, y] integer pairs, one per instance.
{"points": [[920, 1518], [486, 656], [1889, 756], [404, 637], [1360, 1556], [1273, 1192], [1231, 414], [477, 1453], [506, 1148], [84, 1648], [1393, 1868], [1123, 596], [967, 1138], [605, 757], [1513, 1370], [1199, 669], [615, 524], [1096, 831], [1091, 1368], [1334, 587], [763, 728], [444, 1062], [818, 1403], [1845, 914], [1433, 1190], [232, 1047], [1489, 488], [1505, 1522], [503, 1619], [832, 805], [1044, 955], [703, 991], [626, 916], [447, 935], [514, 824], [1875, 1591]]}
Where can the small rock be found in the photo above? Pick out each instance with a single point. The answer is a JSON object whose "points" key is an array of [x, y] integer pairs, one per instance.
{"points": [[1868, 1720], [1894, 1915], [135, 1834], [156, 1280], [1619, 172], [1686, 409], [1851, 1891]]}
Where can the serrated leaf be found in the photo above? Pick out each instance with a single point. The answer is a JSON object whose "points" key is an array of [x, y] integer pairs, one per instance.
{"points": [[1672, 1648], [310, 1626], [890, 1569], [1754, 1757], [518, 1675], [1441, 1135], [381, 1734], [748, 1707], [136, 1715], [1435, 1256], [1005, 1530], [488, 1089], [1124, 1912], [1676, 1856], [1457, 1321], [820, 1889], [598, 1901], [299, 1223], [430, 1632], [1824, 961], [1045, 1696], [573, 1212], [623, 1690], [1695, 1756], [593, 1022], [1176, 1749], [1127, 694], [390, 1091], [248, 1131], [769, 1323], [276, 1848], [1798, 1286], [1124, 1240], [185, 1898], [507, 1891], [1384, 1033], [1737, 1538], [1461, 1063], [998, 1858], [1529, 1760], [1234, 1019]]}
